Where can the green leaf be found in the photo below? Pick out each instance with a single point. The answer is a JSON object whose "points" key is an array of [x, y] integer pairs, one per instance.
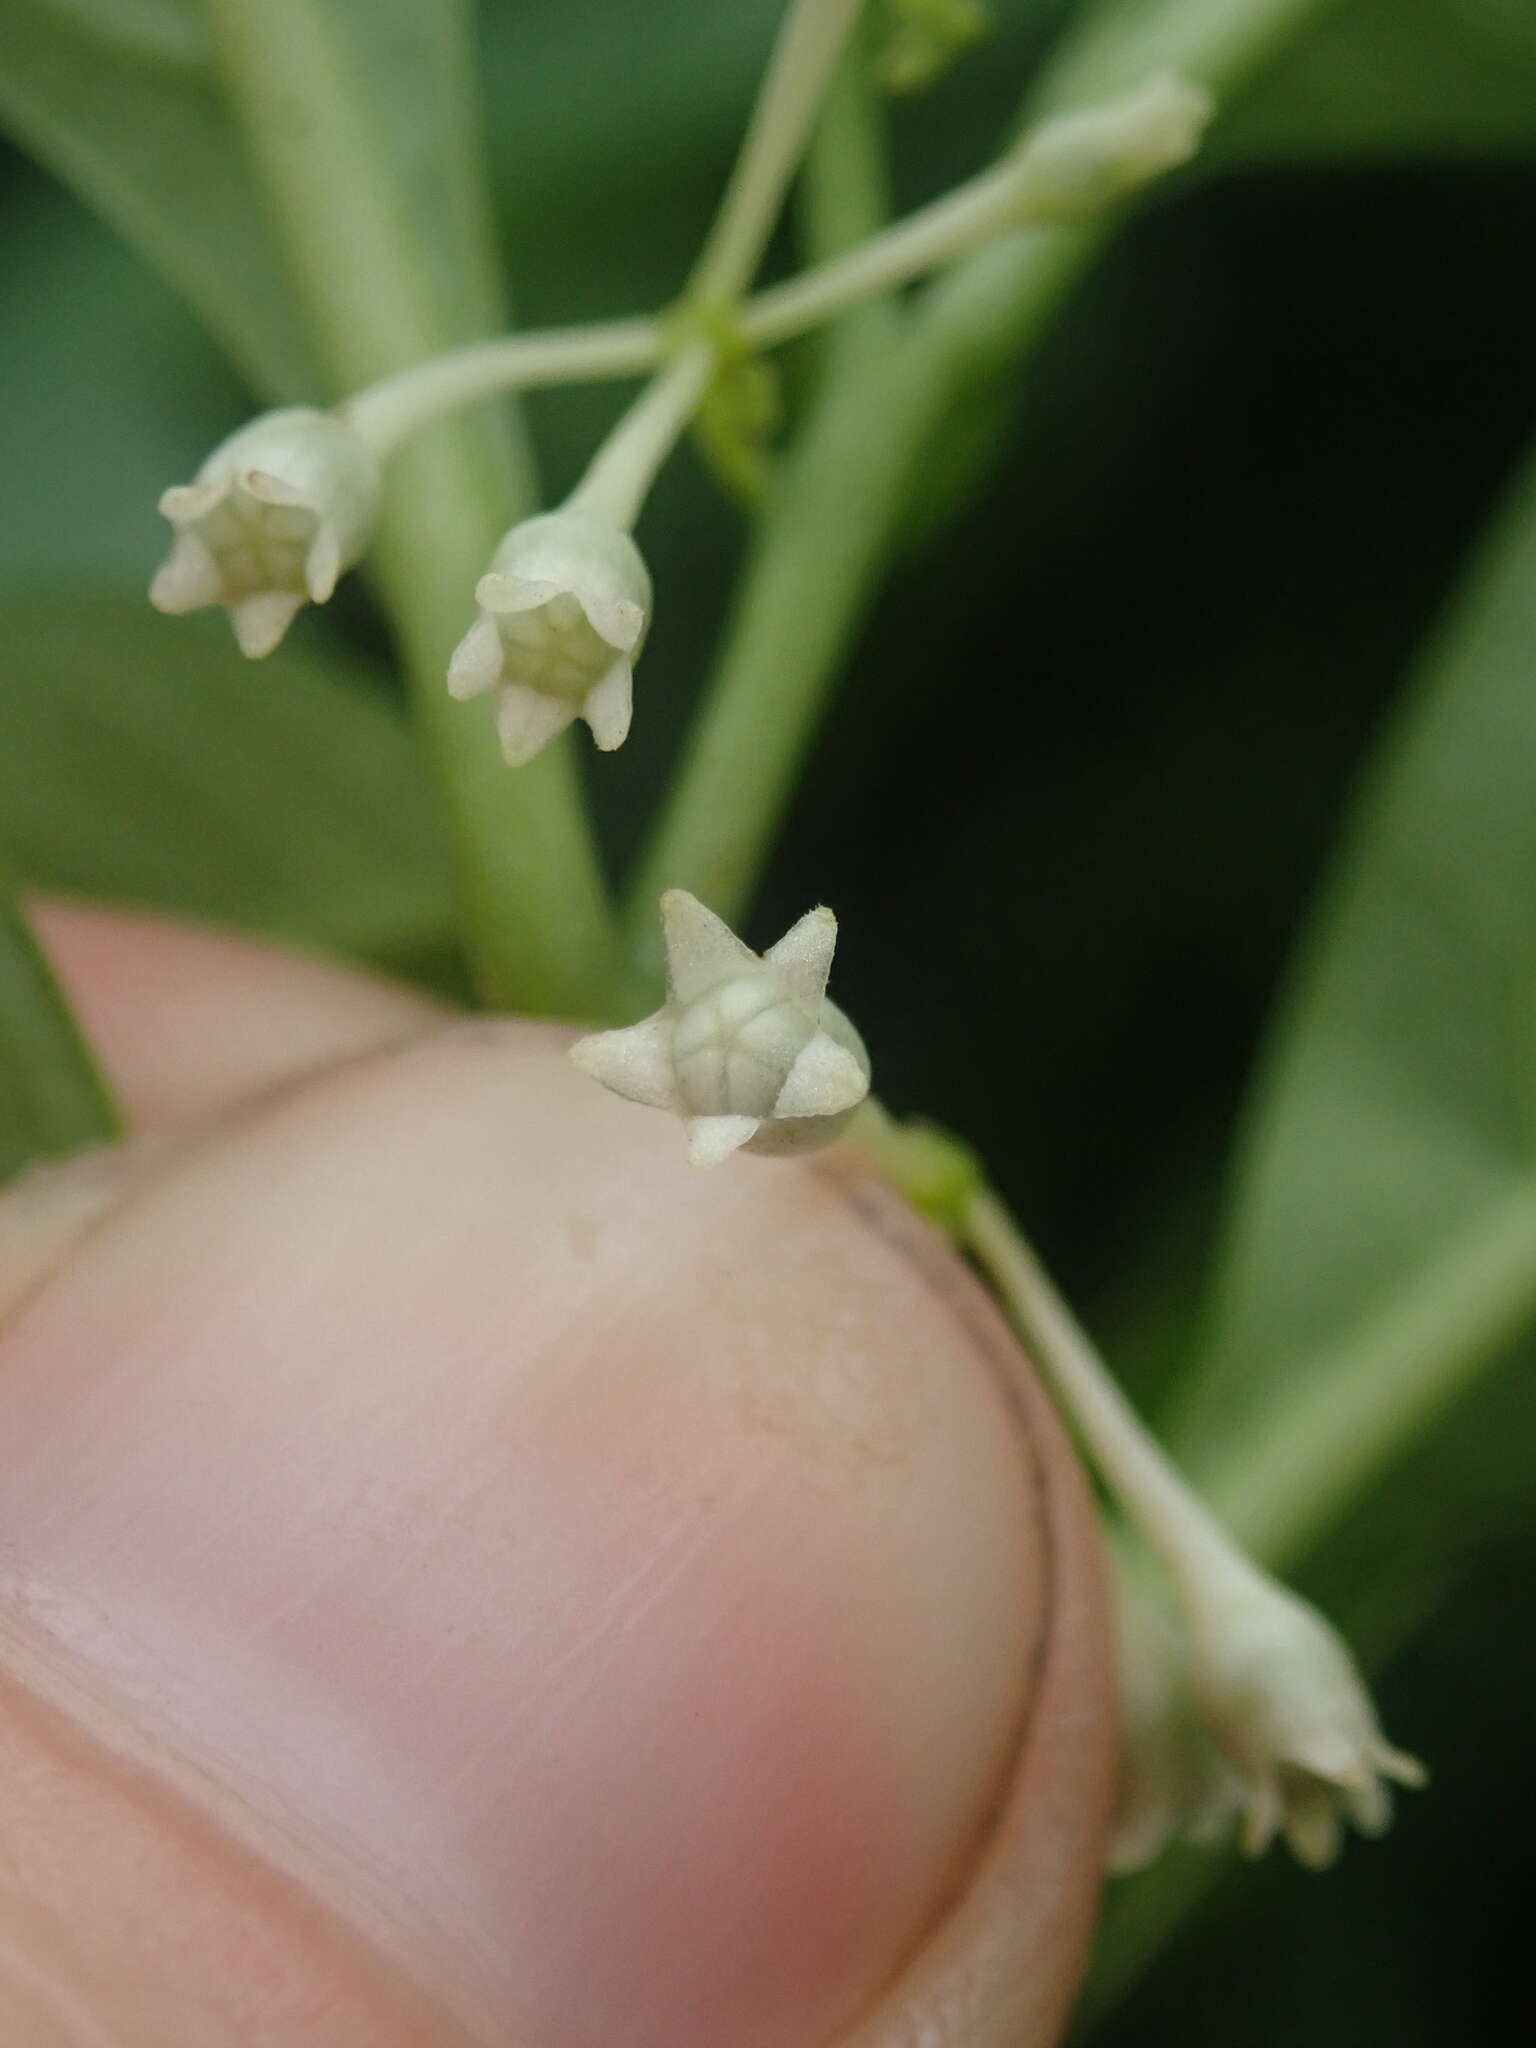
{"points": [[1382, 1245], [1389, 79], [52, 1099], [121, 103], [143, 760]]}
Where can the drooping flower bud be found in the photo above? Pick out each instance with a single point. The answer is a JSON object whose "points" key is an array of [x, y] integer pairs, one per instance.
{"points": [[275, 515], [1075, 165], [563, 614], [1281, 1696], [747, 1049]]}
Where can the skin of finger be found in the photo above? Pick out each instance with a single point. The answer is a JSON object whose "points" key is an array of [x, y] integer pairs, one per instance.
{"points": [[1060, 1748], [128, 1917], [185, 1019], [1000, 1969]]}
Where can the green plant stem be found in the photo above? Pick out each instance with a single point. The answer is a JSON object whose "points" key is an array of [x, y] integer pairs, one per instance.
{"points": [[934, 235], [815, 556], [1161, 1505], [538, 924], [396, 407], [621, 473], [805, 54], [825, 529]]}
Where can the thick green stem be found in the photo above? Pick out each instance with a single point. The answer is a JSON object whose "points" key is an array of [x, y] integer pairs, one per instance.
{"points": [[537, 919]]}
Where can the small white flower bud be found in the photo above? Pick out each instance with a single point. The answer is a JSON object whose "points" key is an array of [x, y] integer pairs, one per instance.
{"points": [[563, 614], [1284, 1700], [747, 1049], [1075, 165], [274, 516]]}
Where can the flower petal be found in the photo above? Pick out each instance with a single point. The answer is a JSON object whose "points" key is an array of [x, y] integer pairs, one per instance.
{"points": [[496, 592], [619, 620], [274, 490], [714, 1138], [824, 1080], [609, 706], [702, 950], [1311, 1824], [804, 955], [187, 579], [261, 621], [635, 1063], [526, 722], [476, 661], [322, 565], [192, 501]]}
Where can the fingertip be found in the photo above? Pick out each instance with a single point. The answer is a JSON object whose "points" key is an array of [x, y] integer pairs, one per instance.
{"points": [[186, 1020]]}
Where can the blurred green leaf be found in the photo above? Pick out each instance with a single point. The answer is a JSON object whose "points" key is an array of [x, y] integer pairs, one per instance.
{"points": [[143, 760], [108, 392], [121, 103], [1382, 1245], [51, 1097], [385, 140], [1384, 79]]}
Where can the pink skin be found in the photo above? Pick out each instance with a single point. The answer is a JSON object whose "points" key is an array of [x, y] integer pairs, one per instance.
{"points": [[467, 1577]]}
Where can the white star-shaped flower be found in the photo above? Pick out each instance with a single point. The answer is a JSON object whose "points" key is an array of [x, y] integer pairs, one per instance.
{"points": [[563, 613], [274, 516], [747, 1049]]}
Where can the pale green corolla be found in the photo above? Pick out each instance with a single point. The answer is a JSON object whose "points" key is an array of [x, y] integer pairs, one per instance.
{"points": [[747, 1049], [274, 516], [564, 608]]}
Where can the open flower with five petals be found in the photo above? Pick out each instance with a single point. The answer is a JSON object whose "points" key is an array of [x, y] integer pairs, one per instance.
{"points": [[564, 608], [747, 1048], [275, 515]]}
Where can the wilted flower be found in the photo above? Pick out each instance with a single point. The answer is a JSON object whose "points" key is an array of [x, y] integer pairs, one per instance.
{"points": [[563, 613], [1074, 165], [1282, 1697], [747, 1049], [276, 513]]}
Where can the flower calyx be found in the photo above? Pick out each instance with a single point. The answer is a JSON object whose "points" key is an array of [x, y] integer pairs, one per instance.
{"points": [[747, 1049], [564, 609], [274, 516]]}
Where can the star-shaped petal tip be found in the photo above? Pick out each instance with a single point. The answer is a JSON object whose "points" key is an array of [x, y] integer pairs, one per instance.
{"points": [[746, 1049]]}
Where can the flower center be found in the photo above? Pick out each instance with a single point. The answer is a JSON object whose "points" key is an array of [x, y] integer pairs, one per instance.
{"points": [[732, 1049], [554, 648], [258, 546]]}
